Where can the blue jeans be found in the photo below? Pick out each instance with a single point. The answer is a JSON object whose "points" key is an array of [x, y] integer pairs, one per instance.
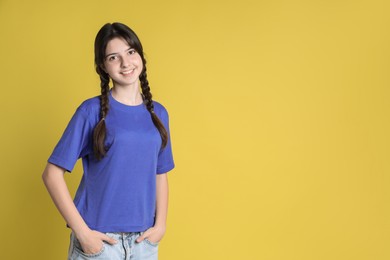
{"points": [[126, 248]]}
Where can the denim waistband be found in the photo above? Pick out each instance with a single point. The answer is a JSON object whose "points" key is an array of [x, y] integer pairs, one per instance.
{"points": [[123, 234]]}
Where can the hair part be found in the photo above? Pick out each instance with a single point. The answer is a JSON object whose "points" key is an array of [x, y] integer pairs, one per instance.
{"points": [[106, 34]]}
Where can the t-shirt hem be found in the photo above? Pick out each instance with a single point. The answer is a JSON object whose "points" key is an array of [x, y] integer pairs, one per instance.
{"points": [[60, 163], [110, 229], [165, 169]]}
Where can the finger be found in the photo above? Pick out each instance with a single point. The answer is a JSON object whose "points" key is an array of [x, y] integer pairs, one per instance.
{"points": [[142, 237], [109, 240]]}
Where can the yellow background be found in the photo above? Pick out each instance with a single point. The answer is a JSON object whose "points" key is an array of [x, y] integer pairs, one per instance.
{"points": [[279, 120]]}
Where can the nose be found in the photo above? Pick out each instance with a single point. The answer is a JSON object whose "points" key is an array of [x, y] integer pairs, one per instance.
{"points": [[125, 62]]}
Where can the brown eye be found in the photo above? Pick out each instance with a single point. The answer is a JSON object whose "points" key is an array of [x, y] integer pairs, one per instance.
{"points": [[132, 51], [112, 58]]}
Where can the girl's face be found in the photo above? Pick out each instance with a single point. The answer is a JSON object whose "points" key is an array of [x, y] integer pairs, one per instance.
{"points": [[122, 63]]}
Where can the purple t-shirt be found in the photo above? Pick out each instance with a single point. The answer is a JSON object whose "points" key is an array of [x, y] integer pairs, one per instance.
{"points": [[117, 193]]}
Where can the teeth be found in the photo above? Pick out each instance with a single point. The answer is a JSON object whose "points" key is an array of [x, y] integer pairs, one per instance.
{"points": [[127, 72]]}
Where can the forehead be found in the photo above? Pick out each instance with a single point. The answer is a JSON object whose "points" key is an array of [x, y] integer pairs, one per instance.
{"points": [[117, 45]]}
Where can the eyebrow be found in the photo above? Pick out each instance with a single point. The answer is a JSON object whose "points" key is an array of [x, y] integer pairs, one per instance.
{"points": [[117, 52]]}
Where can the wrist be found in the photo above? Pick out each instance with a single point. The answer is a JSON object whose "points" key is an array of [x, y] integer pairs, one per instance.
{"points": [[159, 225], [81, 233]]}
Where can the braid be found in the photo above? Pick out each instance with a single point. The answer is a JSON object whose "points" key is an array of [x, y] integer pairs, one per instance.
{"points": [[150, 106], [99, 133], [105, 88]]}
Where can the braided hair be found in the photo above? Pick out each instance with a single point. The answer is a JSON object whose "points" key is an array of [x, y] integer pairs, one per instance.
{"points": [[105, 34]]}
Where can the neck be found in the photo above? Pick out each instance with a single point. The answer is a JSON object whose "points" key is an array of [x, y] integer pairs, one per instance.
{"points": [[127, 95]]}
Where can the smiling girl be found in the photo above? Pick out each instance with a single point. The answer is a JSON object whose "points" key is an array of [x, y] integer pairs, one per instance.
{"points": [[120, 207]]}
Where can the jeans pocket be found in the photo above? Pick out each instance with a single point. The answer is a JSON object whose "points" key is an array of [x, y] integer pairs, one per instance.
{"points": [[79, 250], [154, 244]]}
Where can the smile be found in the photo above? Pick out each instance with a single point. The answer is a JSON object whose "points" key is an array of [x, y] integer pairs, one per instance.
{"points": [[127, 72]]}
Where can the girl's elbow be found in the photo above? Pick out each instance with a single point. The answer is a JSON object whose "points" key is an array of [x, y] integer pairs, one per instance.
{"points": [[50, 171], [45, 175]]}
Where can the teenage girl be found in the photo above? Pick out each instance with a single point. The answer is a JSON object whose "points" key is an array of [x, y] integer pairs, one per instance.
{"points": [[120, 208]]}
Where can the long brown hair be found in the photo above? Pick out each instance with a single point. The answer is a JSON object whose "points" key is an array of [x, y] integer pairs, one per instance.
{"points": [[105, 34]]}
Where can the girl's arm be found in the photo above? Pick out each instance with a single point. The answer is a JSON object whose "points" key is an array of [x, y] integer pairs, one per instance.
{"points": [[91, 241], [156, 233]]}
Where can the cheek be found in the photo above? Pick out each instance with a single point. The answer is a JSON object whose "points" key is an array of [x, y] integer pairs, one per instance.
{"points": [[109, 68], [139, 61], [106, 67]]}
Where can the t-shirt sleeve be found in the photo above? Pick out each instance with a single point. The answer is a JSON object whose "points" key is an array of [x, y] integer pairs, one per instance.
{"points": [[165, 158], [74, 143]]}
